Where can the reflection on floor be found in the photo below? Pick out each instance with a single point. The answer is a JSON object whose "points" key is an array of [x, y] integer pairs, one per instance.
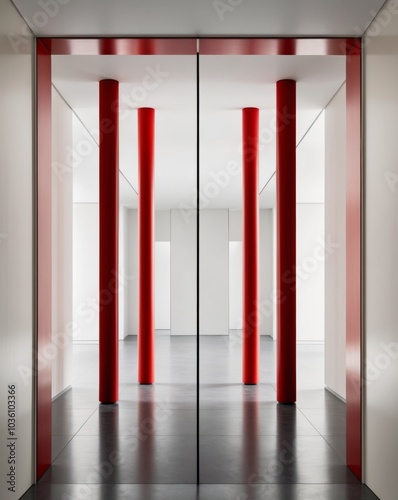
{"points": [[144, 447]]}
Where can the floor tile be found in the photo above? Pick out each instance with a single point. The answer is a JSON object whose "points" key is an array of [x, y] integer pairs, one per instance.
{"points": [[257, 420], [144, 418], [69, 420], [338, 443], [58, 444], [250, 447], [284, 492], [46, 491], [330, 422], [274, 459], [84, 491], [126, 459]]}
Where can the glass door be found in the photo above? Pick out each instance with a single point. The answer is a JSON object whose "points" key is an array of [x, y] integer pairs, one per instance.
{"points": [[149, 434], [247, 440]]}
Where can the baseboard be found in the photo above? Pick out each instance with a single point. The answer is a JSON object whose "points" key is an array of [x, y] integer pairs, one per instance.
{"points": [[335, 394], [62, 393]]}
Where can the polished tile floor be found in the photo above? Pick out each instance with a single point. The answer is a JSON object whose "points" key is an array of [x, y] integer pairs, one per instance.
{"points": [[145, 446]]}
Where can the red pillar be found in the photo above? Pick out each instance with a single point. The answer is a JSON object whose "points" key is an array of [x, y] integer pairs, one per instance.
{"points": [[146, 237], [108, 241], [286, 240], [251, 252]]}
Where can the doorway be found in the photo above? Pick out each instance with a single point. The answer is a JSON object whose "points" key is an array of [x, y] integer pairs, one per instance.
{"points": [[348, 49]]}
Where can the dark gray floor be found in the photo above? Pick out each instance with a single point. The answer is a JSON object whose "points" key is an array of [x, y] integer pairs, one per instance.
{"points": [[250, 448]]}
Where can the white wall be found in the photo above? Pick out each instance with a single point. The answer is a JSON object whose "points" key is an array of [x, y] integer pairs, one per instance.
{"points": [[235, 225], [162, 285], [125, 259], [62, 216], [235, 270], [162, 271], [274, 282], [131, 270], [85, 271], [183, 274], [122, 271], [310, 275], [16, 242], [381, 251], [84, 158], [235, 285], [310, 196], [217, 228], [214, 273], [266, 270], [335, 264], [162, 225]]}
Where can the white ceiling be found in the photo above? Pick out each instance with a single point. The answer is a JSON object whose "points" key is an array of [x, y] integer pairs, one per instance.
{"points": [[227, 84], [230, 83], [199, 17]]}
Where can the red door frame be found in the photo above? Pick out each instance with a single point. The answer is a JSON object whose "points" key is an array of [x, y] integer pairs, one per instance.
{"points": [[347, 47]]}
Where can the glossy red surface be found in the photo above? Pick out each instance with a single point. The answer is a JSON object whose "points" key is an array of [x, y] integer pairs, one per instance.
{"points": [[251, 248], [120, 46], [108, 241], [44, 259], [286, 240], [279, 46], [146, 242]]}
